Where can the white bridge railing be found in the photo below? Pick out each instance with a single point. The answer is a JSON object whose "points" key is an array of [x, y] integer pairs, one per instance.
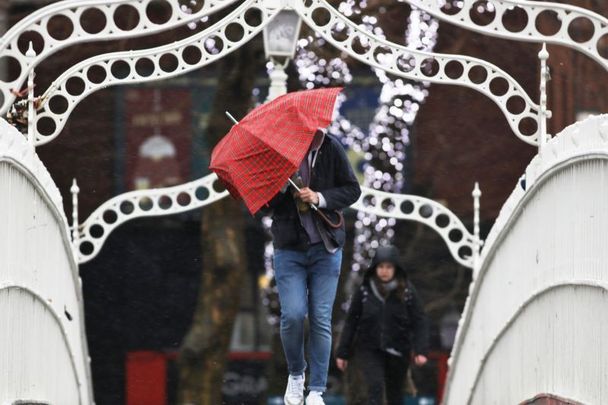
{"points": [[534, 322], [44, 355]]}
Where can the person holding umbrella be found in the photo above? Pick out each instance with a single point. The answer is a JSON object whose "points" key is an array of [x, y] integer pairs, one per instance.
{"points": [[385, 322], [259, 161], [307, 261]]}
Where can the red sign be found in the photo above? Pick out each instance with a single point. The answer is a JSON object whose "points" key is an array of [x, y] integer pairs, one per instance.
{"points": [[158, 132]]}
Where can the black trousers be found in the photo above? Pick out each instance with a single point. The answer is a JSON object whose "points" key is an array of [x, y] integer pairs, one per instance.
{"points": [[383, 374]]}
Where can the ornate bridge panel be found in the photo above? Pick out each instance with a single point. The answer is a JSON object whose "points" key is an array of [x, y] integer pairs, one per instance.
{"points": [[76, 16], [461, 243], [146, 203], [520, 111], [533, 324], [531, 21], [172, 200], [152, 64]]}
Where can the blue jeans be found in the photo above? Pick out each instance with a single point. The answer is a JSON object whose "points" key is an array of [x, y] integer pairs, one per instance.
{"points": [[307, 283]]}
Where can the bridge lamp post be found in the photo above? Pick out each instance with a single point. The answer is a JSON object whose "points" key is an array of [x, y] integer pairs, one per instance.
{"points": [[280, 39]]}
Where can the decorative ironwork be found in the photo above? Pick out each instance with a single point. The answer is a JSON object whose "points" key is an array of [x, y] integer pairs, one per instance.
{"points": [[75, 14], [460, 241], [148, 65], [411, 64], [144, 203], [172, 200], [530, 21]]}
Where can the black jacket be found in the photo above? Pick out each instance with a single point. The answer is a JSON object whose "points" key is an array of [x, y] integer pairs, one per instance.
{"points": [[397, 322], [334, 178]]}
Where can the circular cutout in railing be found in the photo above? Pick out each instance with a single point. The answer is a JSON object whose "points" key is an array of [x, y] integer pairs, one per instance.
{"points": [[96, 74], [442, 220], [190, 6], [320, 16], [192, 55], [253, 17], [12, 71], [46, 126], [58, 104], [454, 69], [165, 202], [482, 12], [75, 86], [38, 42], [426, 211], [184, 199], [465, 252], [168, 62], [548, 23], [407, 207], [201, 193], [455, 235], [515, 19], [96, 231], [478, 74], [60, 27], [144, 67], [93, 21], [120, 69], [126, 17], [159, 11], [234, 32], [146, 203], [581, 30], [86, 248], [109, 216], [127, 207]]}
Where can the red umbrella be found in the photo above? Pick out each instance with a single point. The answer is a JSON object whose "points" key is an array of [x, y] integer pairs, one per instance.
{"points": [[259, 154]]}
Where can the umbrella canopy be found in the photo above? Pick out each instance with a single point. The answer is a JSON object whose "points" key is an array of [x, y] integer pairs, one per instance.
{"points": [[259, 154]]}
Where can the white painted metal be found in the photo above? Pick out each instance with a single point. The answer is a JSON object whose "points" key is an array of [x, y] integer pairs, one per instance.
{"points": [[31, 110], [531, 13], [43, 350], [536, 316], [339, 31], [165, 201], [543, 56], [71, 11], [459, 240], [75, 234], [143, 203], [477, 242], [130, 62], [418, 65]]}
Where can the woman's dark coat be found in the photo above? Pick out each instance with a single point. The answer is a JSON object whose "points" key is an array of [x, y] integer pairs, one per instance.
{"points": [[397, 323]]}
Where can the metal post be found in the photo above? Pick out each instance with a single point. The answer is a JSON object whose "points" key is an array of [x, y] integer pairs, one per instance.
{"points": [[75, 232], [278, 80], [31, 110], [477, 242], [543, 55]]}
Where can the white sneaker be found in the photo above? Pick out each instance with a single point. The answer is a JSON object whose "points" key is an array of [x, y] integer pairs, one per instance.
{"points": [[315, 398], [294, 393]]}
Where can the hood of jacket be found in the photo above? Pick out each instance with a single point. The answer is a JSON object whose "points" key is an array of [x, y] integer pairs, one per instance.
{"points": [[388, 254]]}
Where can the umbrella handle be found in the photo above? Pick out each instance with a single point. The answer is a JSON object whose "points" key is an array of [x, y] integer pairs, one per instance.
{"points": [[328, 222], [321, 214], [314, 207]]}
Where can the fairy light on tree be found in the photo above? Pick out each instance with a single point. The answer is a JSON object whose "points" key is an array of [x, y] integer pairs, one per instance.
{"points": [[386, 144]]}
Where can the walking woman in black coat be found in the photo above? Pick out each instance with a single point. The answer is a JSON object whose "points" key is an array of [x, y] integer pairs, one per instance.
{"points": [[385, 323]]}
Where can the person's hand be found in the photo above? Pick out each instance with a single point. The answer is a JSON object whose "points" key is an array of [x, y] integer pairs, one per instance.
{"points": [[420, 360], [308, 196], [341, 364]]}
